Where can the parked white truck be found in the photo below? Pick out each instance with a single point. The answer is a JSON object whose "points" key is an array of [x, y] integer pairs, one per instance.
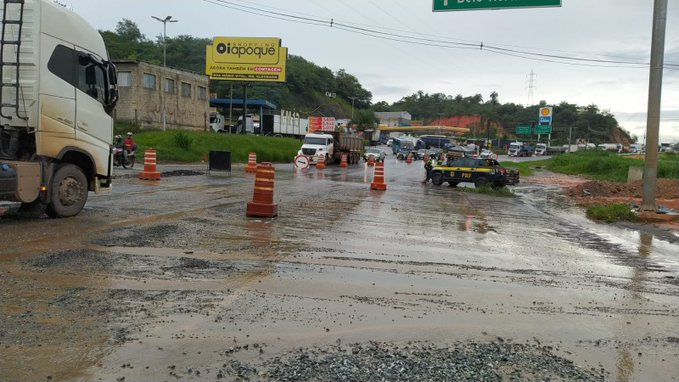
{"points": [[332, 145], [57, 94]]}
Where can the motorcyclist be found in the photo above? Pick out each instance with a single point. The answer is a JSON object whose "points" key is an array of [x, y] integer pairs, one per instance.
{"points": [[129, 143], [118, 141]]}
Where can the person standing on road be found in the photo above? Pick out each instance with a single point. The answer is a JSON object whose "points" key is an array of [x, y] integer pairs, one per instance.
{"points": [[428, 166]]}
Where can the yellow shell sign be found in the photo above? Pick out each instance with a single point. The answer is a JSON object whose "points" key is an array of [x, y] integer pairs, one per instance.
{"points": [[246, 59]]}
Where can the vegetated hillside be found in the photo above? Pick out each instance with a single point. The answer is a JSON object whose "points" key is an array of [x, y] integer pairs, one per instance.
{"points": [[320, 91]]}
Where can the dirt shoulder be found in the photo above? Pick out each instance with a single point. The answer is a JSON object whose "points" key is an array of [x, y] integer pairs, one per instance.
{"points": [[585, 192]]}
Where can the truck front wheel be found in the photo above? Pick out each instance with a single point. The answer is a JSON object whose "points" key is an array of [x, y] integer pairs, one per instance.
{"points": [[437, 178], [68, 192]]}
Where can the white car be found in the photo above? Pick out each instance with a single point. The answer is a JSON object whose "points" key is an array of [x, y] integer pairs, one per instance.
{"points": [[487, 154], [377, 154]]}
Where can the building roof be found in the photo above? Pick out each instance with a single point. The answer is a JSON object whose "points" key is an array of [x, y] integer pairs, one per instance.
{"points": [[393, 114], [214, 102]]}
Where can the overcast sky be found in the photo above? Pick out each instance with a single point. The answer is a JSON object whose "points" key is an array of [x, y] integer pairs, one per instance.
{"points": [[390, 68]]}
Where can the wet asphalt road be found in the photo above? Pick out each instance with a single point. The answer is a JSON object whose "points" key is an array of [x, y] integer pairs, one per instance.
{"points": [[170, 280]]}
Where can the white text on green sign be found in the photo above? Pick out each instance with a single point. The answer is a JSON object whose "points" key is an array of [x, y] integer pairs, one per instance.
{"points": [[463, 5]]}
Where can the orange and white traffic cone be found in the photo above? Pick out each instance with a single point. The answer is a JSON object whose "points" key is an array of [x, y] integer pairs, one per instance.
{"points": [[320, 165], [344, 161], [378, 180], [150, 170], [262, 204], [252, 163]]}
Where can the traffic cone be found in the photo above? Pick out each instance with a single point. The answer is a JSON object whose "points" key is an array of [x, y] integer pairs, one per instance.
{"points": [[320, 165], [252, 163], [378, 180], [262, 204], [150, 171], [344, 161], [371, 161], [409, 158]]}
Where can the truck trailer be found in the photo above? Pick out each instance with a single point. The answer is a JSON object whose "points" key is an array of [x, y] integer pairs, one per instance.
{"points": [[57, 95]]}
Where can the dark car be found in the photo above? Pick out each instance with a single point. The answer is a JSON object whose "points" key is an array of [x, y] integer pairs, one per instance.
{"points": [[435, 153], [421, 153], [403, 153], [526, 151], [479, 171]]}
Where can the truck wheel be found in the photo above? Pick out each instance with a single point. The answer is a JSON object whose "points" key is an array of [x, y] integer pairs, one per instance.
{"points": [[437, 178], [68, 192], [480, 182]]}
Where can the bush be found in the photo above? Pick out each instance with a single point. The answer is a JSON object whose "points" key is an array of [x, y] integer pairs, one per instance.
{"points": [[182, 140], [610, 213]]}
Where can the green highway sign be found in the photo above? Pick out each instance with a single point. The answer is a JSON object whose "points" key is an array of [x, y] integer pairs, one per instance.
{"points": [[543, 129], [523, 129], [467, 5]]}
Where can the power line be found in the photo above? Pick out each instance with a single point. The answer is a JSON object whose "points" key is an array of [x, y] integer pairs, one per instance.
{"points": [[435, 42]]}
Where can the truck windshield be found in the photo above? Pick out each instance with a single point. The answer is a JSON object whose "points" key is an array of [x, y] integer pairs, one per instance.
{"points": [[315, 141], [514, 146]]}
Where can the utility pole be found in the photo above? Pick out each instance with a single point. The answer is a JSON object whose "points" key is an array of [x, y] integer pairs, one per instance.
{"points": [[352, 108], [166, 20], [654, 95]]}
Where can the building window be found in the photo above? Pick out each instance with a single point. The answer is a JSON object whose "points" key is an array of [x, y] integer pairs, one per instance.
{"points": [[124, 79], [149, 81], [168, 87], [186, 89], [202, 92]]}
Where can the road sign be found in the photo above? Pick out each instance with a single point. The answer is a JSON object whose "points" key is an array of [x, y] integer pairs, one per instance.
{"points": [[523, 129], [545, 115], [467, 5], [543, 129], [301, 162]]}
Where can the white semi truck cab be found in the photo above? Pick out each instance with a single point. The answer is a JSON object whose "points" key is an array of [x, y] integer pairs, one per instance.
{"points": [[57, 94], [316, 145]]}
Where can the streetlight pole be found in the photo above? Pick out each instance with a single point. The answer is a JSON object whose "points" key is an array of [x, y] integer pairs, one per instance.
{"points": [[352, 107], [166, 20]]}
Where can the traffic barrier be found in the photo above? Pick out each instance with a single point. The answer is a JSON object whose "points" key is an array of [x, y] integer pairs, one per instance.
{"points": [[320, 164], [378, 180], [252, 163], [150, 170], [371, 161], [344, 161], [262, 204], [409, 158]]}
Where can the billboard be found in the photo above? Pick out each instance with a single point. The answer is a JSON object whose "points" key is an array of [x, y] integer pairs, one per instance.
{"points": [[321, 124], [246, 59]]}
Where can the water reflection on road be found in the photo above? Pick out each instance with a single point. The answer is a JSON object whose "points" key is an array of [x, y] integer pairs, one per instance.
{"points": [[181, 276]]}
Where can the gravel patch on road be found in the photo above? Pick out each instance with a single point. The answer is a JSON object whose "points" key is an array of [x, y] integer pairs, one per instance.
{"points": [[468, 361]]}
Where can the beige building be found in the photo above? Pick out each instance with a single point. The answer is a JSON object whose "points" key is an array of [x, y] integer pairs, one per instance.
{"points": [[144, 88], [394, 118]]}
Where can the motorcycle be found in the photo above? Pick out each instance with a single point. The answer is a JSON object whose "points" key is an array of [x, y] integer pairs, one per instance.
{"points": [[123, 157]]}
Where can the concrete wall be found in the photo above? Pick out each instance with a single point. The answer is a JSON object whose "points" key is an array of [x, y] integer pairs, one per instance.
{"points": [[143, 106]]}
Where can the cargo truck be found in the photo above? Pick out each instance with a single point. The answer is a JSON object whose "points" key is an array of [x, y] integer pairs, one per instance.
{"points": [[57, 95], [332, 145]]}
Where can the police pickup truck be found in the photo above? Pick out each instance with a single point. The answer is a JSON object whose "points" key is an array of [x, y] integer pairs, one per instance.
{"points": [[481, 172]]}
